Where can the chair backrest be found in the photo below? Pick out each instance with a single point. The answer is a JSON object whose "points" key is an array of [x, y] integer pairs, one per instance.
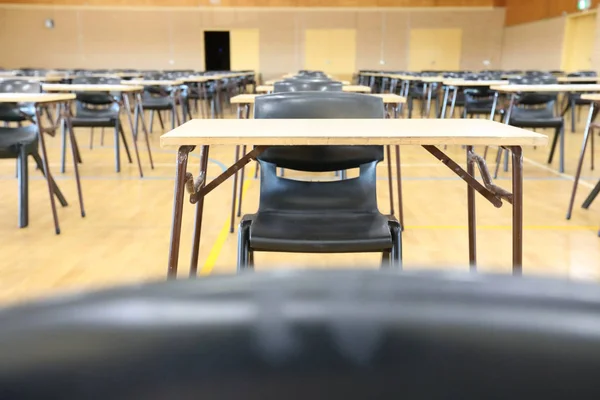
{"points": [[315, 105], [532, 99], [307, 85], [95, 98], [20, 86]]}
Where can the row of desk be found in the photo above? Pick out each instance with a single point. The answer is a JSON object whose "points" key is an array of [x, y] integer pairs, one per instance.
{"points": [[61, 95]]}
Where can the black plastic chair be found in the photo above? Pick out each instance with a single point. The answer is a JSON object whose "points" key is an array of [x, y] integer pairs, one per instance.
{"points": [[537, 110], [99, 110], [319, 217], [160, 98], [23, 141], [574, 100], [307, 85], [479, 100], [340, 335]]}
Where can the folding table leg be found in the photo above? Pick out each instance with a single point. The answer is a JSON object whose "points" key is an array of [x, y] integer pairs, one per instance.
{"points": [[66, 117], [239, 211], [47, 173], [399, 184], [180, 179], [133, 132], [472, 220], [199, 214], [517, 211], [235, 185], [586, 135], [140, 114], [388, 157]]}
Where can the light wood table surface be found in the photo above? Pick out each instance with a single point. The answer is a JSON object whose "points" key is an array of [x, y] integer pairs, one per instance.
{"points": [[64, 113], [577, 79], [347, 88], [272, 81], [65, 87], [428, 133], [35, 97], [547, 88], [150, 82], [388, 98]]}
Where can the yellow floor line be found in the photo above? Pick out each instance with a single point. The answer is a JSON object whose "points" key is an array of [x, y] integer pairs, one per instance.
{"points": [[215, 251]]}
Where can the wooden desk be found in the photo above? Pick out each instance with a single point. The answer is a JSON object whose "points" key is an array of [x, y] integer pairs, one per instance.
{"points": [[272, 81], [514, 90], [124, 103], [150, 82], [37, 99], [577, 79], [427, 133], [347, 88], [587, 135], [388, 98]]}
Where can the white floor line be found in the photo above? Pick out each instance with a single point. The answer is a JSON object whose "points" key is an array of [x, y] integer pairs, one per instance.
{"points": [[555, 172]]}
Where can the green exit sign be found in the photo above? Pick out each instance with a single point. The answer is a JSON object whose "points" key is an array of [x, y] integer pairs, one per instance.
{"points": [[584, 4]]}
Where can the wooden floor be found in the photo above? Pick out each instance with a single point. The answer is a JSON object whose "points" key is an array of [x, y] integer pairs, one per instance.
{"points": [[125, 236]]}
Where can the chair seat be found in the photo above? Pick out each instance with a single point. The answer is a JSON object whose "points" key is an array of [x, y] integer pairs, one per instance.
{"points": [[94, 122], [306, 232], [11, 139], [480, 110], [555, 122], [157, 103]]}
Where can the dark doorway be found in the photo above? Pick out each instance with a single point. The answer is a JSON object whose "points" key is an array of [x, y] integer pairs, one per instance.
{"points": [[216, 51]]}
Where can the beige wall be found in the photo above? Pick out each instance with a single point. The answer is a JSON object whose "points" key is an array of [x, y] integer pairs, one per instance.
{"points": [[89, 37], [534, 45]]}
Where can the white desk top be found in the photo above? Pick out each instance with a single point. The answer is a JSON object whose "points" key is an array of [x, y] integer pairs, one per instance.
{"points": [[386, 97], [347, 88], [547, 88], [53, 78], [206, 78], [117, 75], [90, 88], [35, 97], [576, 79], [426, 79], [465, 83], [592, 97], [284, 132], [149, 82], [272, 81]]}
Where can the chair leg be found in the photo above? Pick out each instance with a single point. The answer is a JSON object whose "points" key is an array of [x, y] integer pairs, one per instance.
{"points": [[151, 120], [573, 116], [92, 139], [23, 173], [396, 256], [160, 119], [102, 137], [117, 149], [122, 134], [553, 147], [243, 246], [55, 189], [386, 257], [135, 148], [63, 147]]}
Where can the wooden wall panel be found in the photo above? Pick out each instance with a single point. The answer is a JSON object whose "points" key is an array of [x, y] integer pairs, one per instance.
{"points": [[171, 38], [523, 11], [265, 3]]}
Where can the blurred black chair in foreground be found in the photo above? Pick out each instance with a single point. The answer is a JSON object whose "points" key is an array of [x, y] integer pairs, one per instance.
{"points": [[342, 335]]}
